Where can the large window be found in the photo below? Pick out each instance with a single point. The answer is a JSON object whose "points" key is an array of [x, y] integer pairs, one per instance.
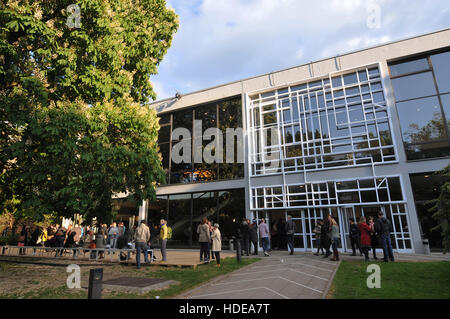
{"points": [[184, 212], [221, 115], [426, 188], [333, 122], [422, 92]]}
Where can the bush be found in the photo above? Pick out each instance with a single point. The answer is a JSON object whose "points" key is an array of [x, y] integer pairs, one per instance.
{"points": [[11, 239]]}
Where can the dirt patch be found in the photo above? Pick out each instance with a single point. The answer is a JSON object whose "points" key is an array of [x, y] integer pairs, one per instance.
{"points": [[39, 279]]}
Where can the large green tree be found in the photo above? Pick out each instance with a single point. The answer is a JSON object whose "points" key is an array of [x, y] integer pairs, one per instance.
{"points": [[75, 124]]}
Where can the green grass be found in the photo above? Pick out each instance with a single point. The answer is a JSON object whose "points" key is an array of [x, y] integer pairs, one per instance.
{"points": [[187, 278], [399, 280]]}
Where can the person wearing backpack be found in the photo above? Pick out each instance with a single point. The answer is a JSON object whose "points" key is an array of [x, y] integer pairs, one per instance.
{"points": [[163, 236], [384, 228], [290, 230]]}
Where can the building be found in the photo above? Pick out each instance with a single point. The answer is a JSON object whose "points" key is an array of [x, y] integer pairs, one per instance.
{"points": [[349, 136]]}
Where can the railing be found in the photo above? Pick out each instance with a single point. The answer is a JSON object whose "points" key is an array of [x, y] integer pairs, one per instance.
{"points": [[55, 252]]}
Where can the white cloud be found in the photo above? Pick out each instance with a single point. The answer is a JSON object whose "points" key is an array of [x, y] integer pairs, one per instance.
{"points": [[224, 40]]}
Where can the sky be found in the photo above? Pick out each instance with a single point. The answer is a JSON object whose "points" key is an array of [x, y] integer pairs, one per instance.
{"points": [[220, 41]]}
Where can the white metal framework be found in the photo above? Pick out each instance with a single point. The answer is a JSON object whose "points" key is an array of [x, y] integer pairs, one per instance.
{"points": [[338, 121]]}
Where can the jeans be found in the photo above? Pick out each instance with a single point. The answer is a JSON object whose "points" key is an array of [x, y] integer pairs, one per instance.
{"points": [[217, 254], [204, 251], [355, 244], [265, 243], [387, 248], [113, 242], [335, 244], [290, 242], [163, 249], [139, 247]]}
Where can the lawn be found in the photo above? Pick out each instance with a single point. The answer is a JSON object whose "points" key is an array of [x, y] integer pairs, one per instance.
{"points": [[399, 280], [25, 281]]}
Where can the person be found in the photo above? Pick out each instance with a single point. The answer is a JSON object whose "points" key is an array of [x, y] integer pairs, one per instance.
{"points": [[60, 237], [210, 243], [113, 235], [245, 236], [325, 237], [290, 231], [141, 238], [317, 231], [365, 241], [23, 239], [216, 243], [100, 240], [254, 236], [77, 236], [163, 236], [384, 228], [264, 235], [122, 229], [354, 235], [203, 239], [373, 237], [335, 236]]}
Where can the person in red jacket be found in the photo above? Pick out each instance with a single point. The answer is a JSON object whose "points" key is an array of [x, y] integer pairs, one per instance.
{"points": [[365, 236]]}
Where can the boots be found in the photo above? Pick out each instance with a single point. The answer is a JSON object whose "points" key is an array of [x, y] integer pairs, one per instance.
{"points": [[335, 255]]}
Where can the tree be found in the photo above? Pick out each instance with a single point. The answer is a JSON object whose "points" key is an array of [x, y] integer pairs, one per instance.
{"points": [[441, 210], [75, 122]]}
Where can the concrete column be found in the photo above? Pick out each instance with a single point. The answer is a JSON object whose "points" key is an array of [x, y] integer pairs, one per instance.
{"points": [[143, 211]]}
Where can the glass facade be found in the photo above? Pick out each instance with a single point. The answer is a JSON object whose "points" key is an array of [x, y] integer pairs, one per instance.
{"points": [[341, 121], [342, 199], [221, 115], [422, 94], [184, 213], [427, 187]]}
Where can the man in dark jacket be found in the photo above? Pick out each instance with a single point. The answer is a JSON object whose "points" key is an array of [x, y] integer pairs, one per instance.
{"points": [[245, 233], [290, 231], [254, 236], [354, 235], [383, 227], [325, 237]]}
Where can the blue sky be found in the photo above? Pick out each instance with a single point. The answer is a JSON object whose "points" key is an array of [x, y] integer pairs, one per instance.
{"points": [[220, 41]]}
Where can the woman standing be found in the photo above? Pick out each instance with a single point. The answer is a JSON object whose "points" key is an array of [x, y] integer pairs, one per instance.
{"points": [[216, 243], [335, 236], [373, 237], [204, 238], [365, 236]]}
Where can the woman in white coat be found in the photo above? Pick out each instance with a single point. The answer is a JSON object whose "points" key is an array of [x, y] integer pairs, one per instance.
{"points": [[216, 243]]}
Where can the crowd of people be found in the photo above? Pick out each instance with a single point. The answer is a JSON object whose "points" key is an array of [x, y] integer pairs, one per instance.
{"points": [[365, 236], [114, 236]]}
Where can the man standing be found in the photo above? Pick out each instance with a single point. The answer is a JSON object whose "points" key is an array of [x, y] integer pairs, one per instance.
{"points": [[141, 237], [354, 235], [383, 227], [245, 233], [254, 236], [163, 237], [290, 231], [264, 235], [325, 237], [113, 234]]}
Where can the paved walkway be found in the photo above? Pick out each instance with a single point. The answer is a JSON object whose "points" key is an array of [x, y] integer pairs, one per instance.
{"points": [[280, 276]]}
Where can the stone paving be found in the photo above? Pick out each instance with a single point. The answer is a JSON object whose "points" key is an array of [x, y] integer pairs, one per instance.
{"points": [[280, 276]]}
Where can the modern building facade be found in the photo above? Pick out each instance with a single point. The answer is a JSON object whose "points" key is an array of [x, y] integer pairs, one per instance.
{"points": [[349, 136]]}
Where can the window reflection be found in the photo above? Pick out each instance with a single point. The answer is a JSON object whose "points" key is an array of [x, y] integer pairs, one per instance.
{"points": [[422, 111]]}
